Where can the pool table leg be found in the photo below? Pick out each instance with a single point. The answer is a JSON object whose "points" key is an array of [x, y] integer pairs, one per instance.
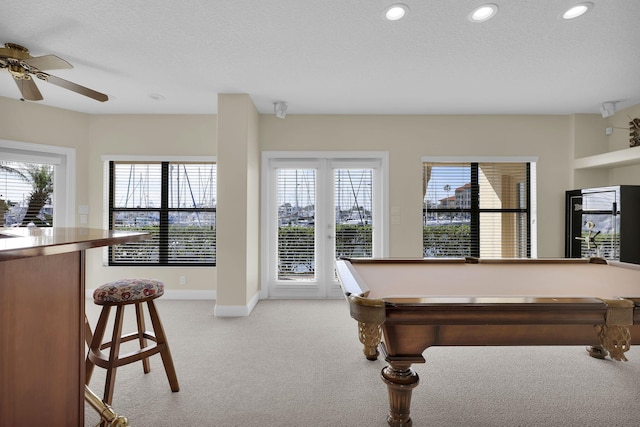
{"points": [[400, 380], [370, 336]]}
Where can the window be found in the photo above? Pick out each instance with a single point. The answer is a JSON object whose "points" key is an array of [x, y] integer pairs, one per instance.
{"points": [[59, 161], [173, 201], [479, 209], [26, 194]]}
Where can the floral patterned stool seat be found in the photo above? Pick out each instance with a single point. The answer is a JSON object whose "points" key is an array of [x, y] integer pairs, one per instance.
{"points": [[119, 294]]}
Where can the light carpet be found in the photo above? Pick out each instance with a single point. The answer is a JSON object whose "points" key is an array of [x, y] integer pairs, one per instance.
{"points": [[299, 363]]}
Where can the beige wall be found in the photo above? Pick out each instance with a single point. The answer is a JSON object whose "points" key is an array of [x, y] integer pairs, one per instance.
{"points": [[238, 237], [555, 140], [409, 138], [591, 140], [619, 140], [159, 135], [37, 124]]}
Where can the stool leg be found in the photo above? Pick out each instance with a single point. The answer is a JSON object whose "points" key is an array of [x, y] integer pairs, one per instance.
{"points": [[143, 342], [96, 341], [165, 353], [88, 334], [114, 351]]}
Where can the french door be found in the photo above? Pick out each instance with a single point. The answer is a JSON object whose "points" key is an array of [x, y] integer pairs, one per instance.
{"points": [[319, 209]]}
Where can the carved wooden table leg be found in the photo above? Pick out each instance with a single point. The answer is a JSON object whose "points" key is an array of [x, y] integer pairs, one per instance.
{"points": [[370, 335], [400, 380]]}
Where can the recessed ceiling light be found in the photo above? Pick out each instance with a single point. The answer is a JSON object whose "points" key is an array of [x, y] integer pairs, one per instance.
{"points": [[156, 96], [396, 11], [577, 10], [483, 13]]}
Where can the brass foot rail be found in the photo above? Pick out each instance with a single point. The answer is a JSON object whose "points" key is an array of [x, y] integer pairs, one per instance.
{"points": [[107, 414]]}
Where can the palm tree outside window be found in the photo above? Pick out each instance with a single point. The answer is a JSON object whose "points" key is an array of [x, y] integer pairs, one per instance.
{"points": [[26, 194]]}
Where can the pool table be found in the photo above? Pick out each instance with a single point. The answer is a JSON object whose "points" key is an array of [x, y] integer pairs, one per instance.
{"points": [[404, 306]]}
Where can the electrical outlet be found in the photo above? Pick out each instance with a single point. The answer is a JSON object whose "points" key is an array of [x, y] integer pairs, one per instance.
{"points": [[183, 280]]}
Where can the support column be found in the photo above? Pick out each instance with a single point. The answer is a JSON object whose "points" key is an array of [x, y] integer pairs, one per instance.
{"points": [[238, 213]]}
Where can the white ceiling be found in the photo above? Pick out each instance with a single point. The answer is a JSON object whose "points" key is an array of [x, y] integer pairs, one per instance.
{"points": [[332, 56]]}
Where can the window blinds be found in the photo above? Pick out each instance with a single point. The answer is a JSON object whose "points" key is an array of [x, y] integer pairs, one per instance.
{"points": [[174, 202], [476, 209], [354, 212], [26, 186], [296, 223]]}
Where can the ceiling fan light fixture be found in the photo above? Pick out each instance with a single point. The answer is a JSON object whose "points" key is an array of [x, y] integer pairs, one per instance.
{"points": [[577, 10], [22, 66], [396, 11], [483, 13]]}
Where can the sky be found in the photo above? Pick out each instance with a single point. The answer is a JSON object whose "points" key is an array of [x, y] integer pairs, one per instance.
{"points": [[453, 176]]}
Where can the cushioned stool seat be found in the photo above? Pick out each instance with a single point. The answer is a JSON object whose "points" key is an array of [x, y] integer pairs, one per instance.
{"points": [[119, 294]]}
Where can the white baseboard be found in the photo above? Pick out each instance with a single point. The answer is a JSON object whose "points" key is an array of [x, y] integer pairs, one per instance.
{"points": [[236, 310], [173, 294], [219, 310]]}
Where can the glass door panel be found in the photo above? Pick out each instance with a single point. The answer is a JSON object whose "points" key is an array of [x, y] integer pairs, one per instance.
{"points": [[353, 212], [319, 209], [296, 224]]}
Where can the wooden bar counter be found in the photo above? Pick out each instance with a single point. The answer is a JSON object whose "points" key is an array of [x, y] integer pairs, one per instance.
{"points": [[42, 349]]}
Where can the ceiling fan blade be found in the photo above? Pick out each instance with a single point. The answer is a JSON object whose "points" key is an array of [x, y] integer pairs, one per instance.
{"points": [[28, 89], [48, 62], [73, 87]]}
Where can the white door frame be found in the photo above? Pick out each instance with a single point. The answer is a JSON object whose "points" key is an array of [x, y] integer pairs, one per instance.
{"points": [[269, 236]]}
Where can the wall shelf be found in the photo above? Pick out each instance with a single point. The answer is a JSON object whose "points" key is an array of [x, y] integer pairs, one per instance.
{"points": [[626, 157]]}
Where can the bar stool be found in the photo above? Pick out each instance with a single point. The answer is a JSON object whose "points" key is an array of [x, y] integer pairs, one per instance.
{"points": [[119, 294]]}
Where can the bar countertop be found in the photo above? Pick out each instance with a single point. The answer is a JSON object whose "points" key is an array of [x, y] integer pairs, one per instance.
{"points": [[31, 241]]}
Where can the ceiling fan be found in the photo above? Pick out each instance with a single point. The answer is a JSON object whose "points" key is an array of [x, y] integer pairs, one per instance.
{"points": [[22, 66]]}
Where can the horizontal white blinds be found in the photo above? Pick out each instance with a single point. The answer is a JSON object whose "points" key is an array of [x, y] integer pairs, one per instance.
{"points": [[354, 212], [26, 194], [476, 209], [174, 202], [296, 189]]}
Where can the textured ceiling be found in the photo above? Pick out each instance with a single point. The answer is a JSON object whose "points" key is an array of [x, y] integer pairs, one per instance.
{"points": [[332, 56]]}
